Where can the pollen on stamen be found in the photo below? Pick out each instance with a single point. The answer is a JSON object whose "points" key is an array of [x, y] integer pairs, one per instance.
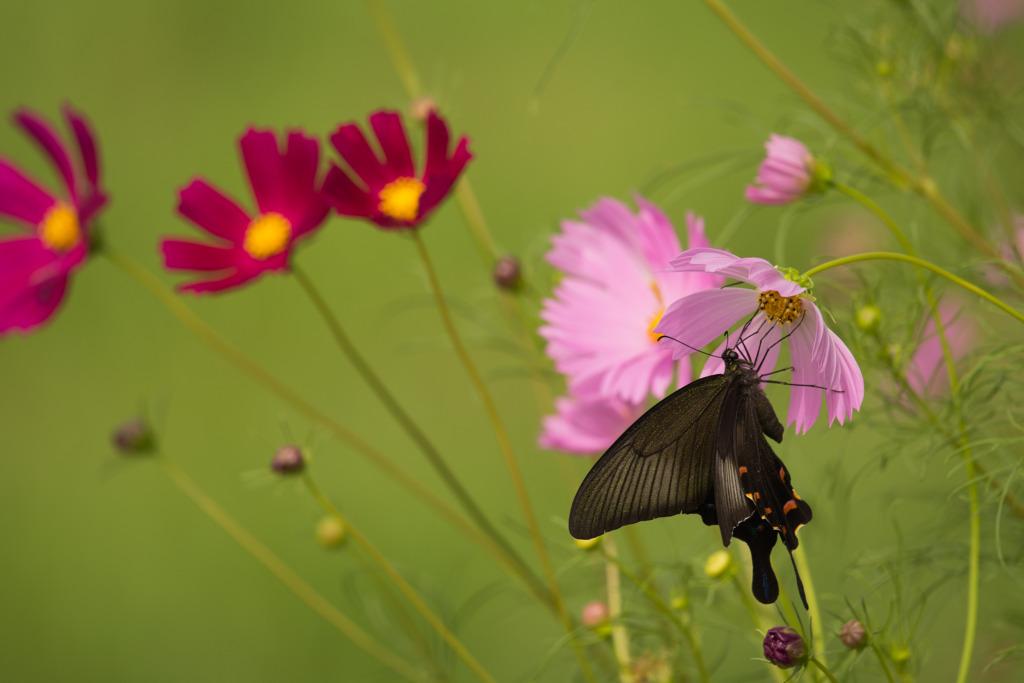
{"points": [[780, 309], [267, 235], [59, 229], [400, 199]]}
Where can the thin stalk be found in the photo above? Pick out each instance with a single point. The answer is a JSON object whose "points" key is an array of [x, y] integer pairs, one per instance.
{"points": [[889, 256], [821, 665], [510, 557], [284, 573], [504, 445], [881, 661], [620, 636], [403, 586], [248, 366], [817, 634], [684, 627]]}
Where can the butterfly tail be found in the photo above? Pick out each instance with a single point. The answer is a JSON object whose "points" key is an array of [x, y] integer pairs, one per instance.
{"points": [[760, 538]]}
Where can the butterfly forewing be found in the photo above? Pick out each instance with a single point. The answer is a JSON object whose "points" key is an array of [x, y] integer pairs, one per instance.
{"points": [[662, 465]]}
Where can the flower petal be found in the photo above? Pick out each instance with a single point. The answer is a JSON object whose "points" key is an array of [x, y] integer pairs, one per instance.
{"points": [[357, 153], [346, 197], [387, 126], [86, 141], [215, 213], [699, 318], [22, 198], [51, 145], [33, 303], [266, 172], [187, 255]]}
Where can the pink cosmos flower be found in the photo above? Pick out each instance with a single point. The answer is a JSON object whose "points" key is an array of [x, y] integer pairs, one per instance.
{"points": [[388, 192], [927, 374], [34, 268], [586, 426], [781, 309], [991, 15], [284, 183], [786, 173], [615, 290]]}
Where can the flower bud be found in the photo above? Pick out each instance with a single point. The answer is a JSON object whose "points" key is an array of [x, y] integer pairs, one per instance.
{"points": [[868, 318], [508, 273], [680, 602], [595, 616], [853, 634], [588, 543], [719, 565], [784, 647], [330, 532], [134, 437], [288, 460]]}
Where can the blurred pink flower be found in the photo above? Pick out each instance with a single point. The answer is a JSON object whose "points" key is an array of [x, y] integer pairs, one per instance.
{"points": [[786, 173], [779, 312], [388, 192], [587, 426], [991, 15], [927, 374], [34, 269], [615, 290], [291, 208]]}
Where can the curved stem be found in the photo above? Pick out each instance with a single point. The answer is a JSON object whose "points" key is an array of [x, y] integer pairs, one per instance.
{"points": [[406, 589], [504, 445], [821, 665], [511, 559], [890, 256], [248, 366], [284, 573]]}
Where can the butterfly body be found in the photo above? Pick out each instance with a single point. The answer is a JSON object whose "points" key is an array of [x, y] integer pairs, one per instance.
{"points": [[701, 450]]}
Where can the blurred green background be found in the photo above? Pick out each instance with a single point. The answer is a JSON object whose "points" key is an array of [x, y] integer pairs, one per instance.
{"points": [[110, 574]]}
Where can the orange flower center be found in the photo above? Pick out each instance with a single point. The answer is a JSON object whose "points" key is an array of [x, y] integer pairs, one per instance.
{"points": [[59, 230], [780, 309], [267, 235], [400, 199], [654, 323]]}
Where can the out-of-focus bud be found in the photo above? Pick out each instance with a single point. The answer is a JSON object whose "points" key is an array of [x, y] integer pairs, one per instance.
{"points": [[680, 602], [508, 273], [883, 68], [784, 647], [288, 460], [595, 616], [330, 532], [588, 543], [853, 634], [134, 437], [719, 565], [900, 656], [868, 317]]}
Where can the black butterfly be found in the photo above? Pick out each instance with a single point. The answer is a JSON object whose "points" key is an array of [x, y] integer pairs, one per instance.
{"points": [[702, 450]]}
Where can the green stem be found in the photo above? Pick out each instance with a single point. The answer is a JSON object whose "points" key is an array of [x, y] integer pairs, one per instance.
{"points": [[817, 634], [403, 586], [505, 446], [620, 637], [394, 46], [881, 661], [217, 343], [510, 558], [889, 256], [284, 573], [778, 674], [821, 665]]}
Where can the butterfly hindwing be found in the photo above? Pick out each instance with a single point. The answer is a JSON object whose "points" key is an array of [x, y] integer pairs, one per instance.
{"points": [[662, 465]]}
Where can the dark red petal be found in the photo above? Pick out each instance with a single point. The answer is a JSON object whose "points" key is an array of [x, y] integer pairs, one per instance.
{"points": [[440, 184], [187, 255], [307, 206], [31, 305], [387, 126], [218, 215], [357, 153], [52, 145], [345, 196], [86, 145], [437, 145], [21, 198], [232, 281], [21, 256], [266, 172]]}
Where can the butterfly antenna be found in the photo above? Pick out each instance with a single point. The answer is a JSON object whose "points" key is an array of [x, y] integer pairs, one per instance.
{"points": [[692, 348]]}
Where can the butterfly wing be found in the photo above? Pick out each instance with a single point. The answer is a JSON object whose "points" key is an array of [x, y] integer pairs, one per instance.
{"points": [[662, 465]]}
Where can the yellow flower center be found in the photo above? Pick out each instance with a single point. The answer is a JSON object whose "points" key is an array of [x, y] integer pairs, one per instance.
{"points": [[267, 236], [780, 309], [400, 199], [654, 323], [59, 230]]}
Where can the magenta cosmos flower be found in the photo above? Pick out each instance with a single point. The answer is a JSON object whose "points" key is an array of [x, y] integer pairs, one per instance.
{"points": [[34, 268], [786, 174], [284, 184], [389, 192], [615, 289], [586, 426], [778, 309]]}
